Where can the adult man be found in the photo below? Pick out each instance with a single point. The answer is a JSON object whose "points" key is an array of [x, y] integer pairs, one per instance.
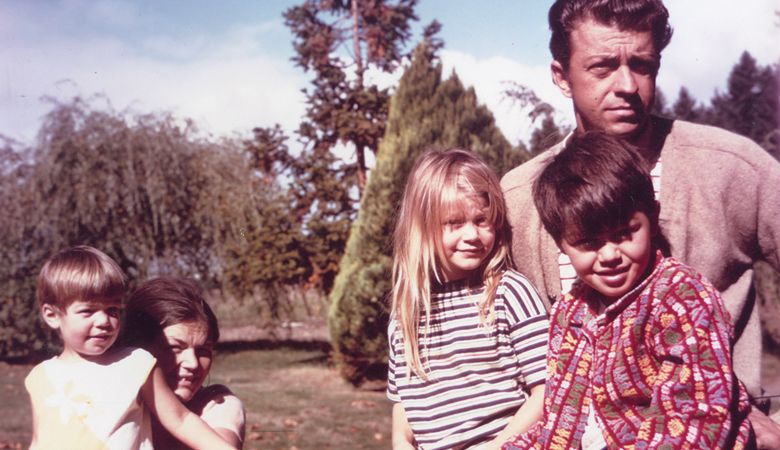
{"points": [[718, 191]]}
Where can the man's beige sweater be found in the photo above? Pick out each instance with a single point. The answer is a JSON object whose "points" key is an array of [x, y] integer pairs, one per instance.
{"points": [[720, 212]]}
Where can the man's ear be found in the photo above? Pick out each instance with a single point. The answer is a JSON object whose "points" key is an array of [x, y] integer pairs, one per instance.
{"points": [[560, 78], [51, 315]]}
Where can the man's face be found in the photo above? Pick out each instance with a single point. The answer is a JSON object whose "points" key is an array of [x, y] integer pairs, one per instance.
{"points": [[611, 78]]}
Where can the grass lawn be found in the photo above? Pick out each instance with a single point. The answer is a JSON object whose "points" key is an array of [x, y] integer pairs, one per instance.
{"points": [[293, 399]]}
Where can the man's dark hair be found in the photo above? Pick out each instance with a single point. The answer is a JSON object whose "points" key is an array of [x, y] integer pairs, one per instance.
{"points": [[634, 15], [595, 184]]}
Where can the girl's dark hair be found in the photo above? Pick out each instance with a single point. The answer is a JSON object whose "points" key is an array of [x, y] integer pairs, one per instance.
{"points": [[635, 15], [595, 184], [162, 302]]}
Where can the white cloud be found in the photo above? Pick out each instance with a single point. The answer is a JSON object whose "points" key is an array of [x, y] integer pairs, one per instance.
{"points": [[225, 83], [489, 76], [709, 37]]}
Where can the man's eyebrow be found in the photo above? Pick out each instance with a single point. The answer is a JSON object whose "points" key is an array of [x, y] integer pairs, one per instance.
{"points": [[645, 55], [604, 55]]}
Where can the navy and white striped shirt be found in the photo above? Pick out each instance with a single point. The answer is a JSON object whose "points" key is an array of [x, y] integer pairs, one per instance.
{"points": [[477, 375]]}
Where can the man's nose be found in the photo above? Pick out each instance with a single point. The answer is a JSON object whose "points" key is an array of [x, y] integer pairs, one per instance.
{"points": [[625, 81]]}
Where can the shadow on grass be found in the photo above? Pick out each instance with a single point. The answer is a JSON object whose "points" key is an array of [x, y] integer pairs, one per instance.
{"points": [[238, 346]]}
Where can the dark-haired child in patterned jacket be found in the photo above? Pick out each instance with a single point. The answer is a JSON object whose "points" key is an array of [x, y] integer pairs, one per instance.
{"points": [[639, 350]]}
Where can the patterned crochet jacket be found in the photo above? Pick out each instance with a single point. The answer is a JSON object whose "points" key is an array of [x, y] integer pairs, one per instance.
{"points": [[655, 367]]}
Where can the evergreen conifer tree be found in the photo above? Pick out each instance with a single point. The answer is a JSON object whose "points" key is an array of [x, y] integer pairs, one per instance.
{"points": [[425, 112], [547, 135], [750, 105], [685, 108]]}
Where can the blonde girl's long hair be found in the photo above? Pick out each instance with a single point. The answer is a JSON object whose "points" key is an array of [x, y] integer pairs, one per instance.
{"points": [[436, 185]]}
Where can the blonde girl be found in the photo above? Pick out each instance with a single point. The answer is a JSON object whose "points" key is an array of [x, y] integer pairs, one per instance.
{"points": [[468, 335]]}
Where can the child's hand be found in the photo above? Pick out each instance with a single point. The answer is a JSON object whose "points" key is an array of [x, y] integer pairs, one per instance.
{"points": [[767, 431]]}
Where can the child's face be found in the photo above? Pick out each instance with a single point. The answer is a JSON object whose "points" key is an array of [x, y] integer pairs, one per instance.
{"points": [[467, 238], [87, 328], [614, 262], [184, 354]]}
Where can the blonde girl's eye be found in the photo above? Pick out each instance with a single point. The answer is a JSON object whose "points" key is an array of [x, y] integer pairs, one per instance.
{"points": [[453, 224], [483, 222]]}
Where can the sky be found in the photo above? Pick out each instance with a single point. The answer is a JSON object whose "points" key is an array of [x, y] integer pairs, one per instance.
{"points": [[227, 66]]}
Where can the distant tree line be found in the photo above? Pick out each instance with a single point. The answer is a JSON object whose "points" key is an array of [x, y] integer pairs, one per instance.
{"points": [[749, 106]]}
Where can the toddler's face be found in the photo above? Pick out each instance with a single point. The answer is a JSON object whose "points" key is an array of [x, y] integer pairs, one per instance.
{"points": [[467, 238], [614, 262], [87, 328]]}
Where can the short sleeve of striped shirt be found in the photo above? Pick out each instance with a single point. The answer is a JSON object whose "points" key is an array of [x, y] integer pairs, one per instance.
{"points": [[392, 363], [520, 307]]}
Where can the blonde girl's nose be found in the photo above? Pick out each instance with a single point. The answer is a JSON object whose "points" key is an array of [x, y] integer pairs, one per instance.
{"points": [[470, 230]]}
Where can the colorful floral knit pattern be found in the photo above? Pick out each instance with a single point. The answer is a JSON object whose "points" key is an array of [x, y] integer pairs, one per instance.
{"points": [[656, 366]]}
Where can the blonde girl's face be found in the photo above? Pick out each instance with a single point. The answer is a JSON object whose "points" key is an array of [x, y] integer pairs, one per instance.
{"points": [[467, 237]]}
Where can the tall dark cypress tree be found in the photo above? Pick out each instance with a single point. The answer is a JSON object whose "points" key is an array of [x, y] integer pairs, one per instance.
{"points": [[425, 112]]}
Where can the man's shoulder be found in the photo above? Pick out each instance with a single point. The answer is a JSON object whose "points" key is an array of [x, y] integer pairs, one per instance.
{"points": [[522, 177], [708, 142]]}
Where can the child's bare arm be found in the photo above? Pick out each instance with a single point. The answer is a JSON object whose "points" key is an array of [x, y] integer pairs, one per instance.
{"points": [[525, 417], [182, 423], [402, 433]]}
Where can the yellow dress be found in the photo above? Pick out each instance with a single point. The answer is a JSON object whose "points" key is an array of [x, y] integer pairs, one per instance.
{"points": [[89, 406]]}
